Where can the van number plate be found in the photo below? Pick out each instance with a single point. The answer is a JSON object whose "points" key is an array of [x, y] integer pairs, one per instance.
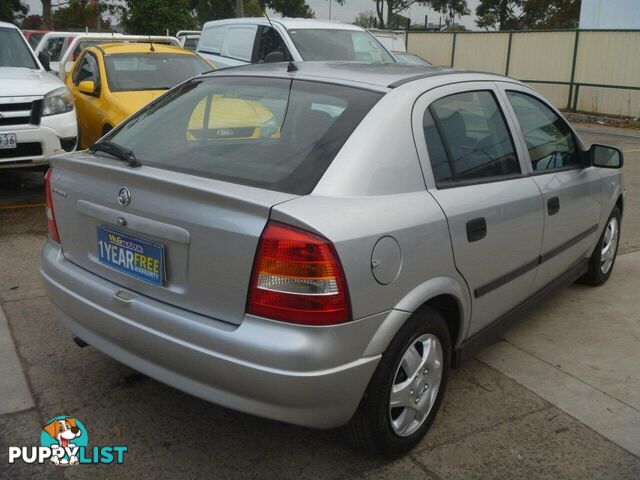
{"points": [[8, 140], [131, 255]]}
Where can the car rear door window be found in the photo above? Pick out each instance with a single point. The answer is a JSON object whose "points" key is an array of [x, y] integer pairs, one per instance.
{"points": [[239, 41], [549, 139], [471, 129]]}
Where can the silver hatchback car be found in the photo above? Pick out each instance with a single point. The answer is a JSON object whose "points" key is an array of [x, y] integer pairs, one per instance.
{"points": [[318, 243]]}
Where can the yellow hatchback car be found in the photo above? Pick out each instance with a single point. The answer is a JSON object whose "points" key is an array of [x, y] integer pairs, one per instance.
{"points": [[111, 82]]}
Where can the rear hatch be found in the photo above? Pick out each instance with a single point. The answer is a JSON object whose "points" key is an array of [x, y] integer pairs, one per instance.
{"points": [[209, 230], [216, 153]]}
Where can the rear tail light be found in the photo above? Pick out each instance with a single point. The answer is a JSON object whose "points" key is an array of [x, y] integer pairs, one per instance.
{"points": [[297, 278], [48, 201]]}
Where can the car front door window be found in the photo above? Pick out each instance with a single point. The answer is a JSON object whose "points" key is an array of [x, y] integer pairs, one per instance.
{"points": [[271, 42], [549, 139], [87, 70]]}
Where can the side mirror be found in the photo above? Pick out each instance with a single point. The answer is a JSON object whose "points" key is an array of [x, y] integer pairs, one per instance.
{"points": [[603, 156], [45, 61], [88, 87], [274, 57]]}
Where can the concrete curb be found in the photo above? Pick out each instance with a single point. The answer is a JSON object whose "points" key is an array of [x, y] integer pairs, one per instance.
{"points": [[15, 395]]}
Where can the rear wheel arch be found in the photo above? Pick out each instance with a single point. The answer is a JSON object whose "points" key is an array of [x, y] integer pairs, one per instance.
{"points": [[450, 309], [449, 297], [442, 294]]}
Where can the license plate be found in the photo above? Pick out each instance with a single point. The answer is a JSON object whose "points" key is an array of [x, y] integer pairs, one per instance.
{"points": [[131, 255], [8, 140]]}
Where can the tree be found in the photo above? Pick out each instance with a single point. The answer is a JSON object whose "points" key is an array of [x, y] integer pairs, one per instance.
{"points": [[291, 8], [47, 19], [394, 7], [366, 19], [32, 22], [79, 14], [519, 14], [13, 11], [207, 10], [501, 14], [552, 13], [155, 17], [451, 8]]}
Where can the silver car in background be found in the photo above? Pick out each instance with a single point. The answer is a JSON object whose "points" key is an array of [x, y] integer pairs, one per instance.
{"points": [[318, 243]]}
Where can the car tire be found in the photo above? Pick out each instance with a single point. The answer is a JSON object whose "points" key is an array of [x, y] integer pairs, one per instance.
{"points": [[381, 429], [604, 256]]}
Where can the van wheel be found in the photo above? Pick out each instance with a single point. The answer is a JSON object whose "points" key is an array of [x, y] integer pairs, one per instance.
{"points": [[407, 388], [604, 257]]}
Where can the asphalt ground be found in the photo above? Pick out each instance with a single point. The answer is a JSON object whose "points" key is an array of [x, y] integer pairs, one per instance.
{"points": [[531, 406]]}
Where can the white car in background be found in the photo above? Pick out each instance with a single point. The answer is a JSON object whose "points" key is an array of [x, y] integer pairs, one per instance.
{"points": [[239, 41], [37, 116], [56, 44], [189, 39]]}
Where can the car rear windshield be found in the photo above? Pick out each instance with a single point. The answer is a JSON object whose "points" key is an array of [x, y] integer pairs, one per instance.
{"points": [[151, 71], [272, 133], [322, 44], [14, 51]]}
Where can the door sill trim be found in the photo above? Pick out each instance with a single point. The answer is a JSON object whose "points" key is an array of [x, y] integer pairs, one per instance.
{"points": [[492, 332]]}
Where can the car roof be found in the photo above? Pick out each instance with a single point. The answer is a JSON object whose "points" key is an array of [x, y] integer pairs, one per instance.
{"points": [[8, 25], [288, 23], [376, 76], [116, 48]]}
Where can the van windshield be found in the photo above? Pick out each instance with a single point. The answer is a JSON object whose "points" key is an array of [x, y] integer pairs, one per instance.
{"points": [[271, 133], [14, 51], [324, 44]]}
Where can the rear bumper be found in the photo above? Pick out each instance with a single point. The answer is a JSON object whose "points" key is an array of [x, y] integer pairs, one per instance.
{"points": [[311, 376]]}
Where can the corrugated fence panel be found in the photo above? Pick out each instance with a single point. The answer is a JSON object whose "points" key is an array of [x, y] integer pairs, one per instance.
{"points": [[435, 47], [605, 59], [556, 94], [542, 56], [485, 52], [609, 58], [610, 101]]}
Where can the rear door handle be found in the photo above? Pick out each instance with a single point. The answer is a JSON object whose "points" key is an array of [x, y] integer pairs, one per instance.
{"points": [[476, 229], [553, 205]]}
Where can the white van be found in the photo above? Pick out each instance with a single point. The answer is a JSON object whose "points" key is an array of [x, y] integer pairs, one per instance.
{"points": [[239, 41]]}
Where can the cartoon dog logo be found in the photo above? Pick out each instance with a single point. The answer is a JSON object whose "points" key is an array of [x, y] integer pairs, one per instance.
{"points": [[63, 430]]}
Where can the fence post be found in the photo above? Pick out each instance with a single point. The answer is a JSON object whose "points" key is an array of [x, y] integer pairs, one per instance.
{"points": [[573, 71], [575, 98], [506, 70], [453, 49], [406, 35]]}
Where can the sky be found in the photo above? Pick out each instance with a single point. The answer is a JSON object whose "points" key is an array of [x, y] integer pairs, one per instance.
{"points": [[347, 12]]}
